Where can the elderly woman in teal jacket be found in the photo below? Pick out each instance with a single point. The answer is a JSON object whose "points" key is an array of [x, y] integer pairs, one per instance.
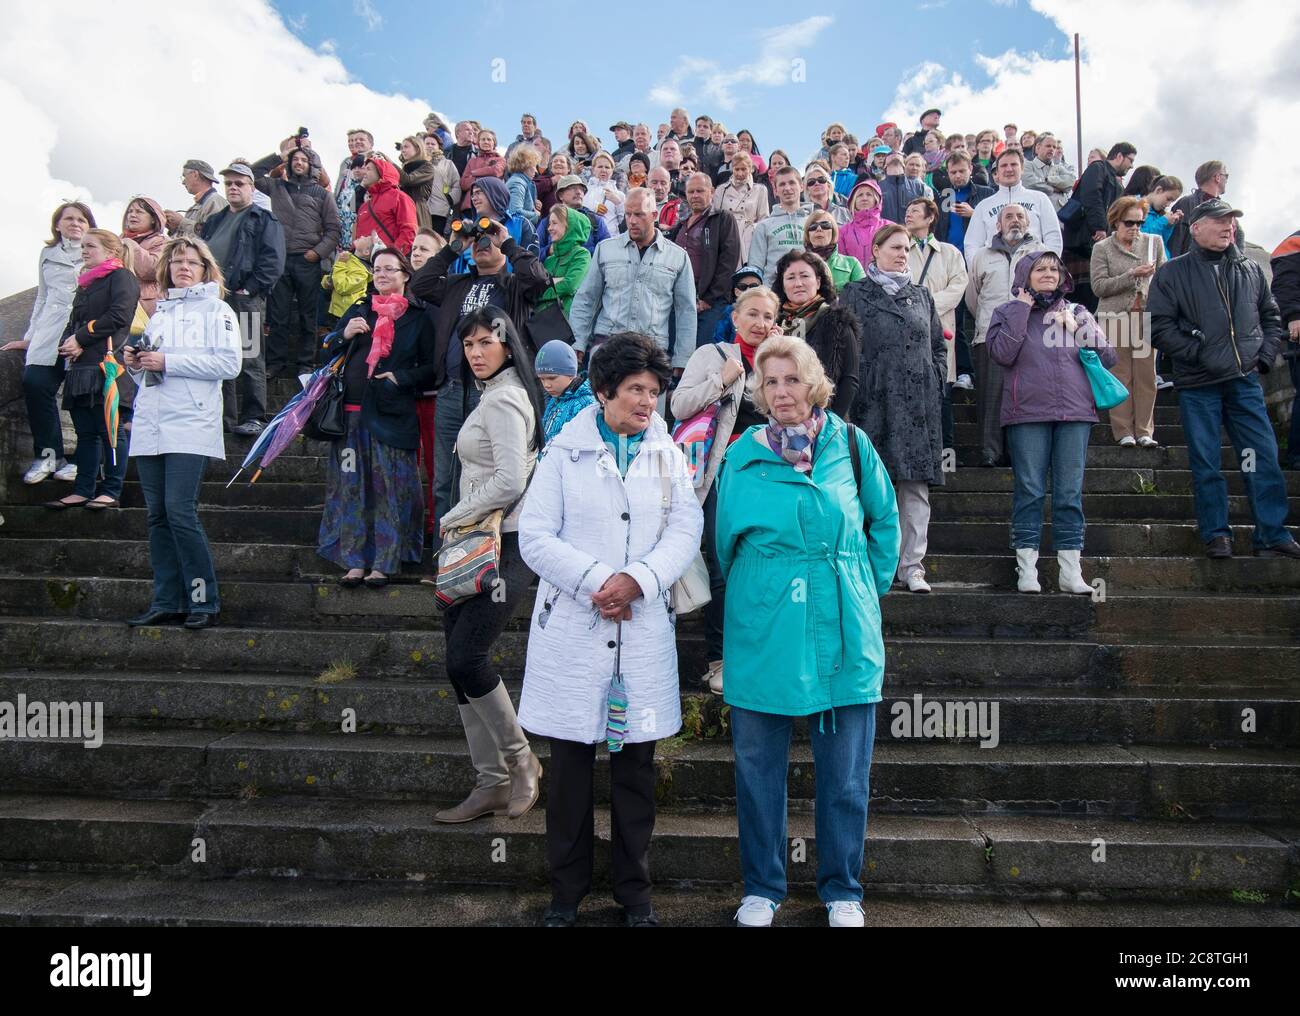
{"points": [[802, 625]]}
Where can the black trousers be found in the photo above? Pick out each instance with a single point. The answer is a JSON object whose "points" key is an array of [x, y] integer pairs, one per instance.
{"points": [[473, 625], [988, 403], [570, 832], [293, 307]]}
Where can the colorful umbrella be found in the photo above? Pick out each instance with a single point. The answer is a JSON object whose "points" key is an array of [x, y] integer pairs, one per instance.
{"points": [[288, 422], [112, 401], [616, 724]]}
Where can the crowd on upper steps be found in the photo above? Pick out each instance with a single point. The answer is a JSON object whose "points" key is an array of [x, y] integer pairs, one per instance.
{"points": [[670, 374]]}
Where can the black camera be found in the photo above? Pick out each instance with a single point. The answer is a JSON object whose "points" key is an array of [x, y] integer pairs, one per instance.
{"points": [[475, 232], [358, 161], [141, 344], [302, 133]]}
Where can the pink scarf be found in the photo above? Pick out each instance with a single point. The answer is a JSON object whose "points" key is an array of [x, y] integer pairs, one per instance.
{"points": [[107, 267], [389, 309]]}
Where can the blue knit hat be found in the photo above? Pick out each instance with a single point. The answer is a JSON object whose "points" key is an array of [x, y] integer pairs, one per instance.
{"points": [[556, 357]]}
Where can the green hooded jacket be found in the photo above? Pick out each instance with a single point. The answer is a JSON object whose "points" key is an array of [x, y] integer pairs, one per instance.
{"points": [[567, 262]]}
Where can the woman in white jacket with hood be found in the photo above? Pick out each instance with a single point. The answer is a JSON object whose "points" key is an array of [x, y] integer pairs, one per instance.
{"points": [[192, 344], [610, 523]]}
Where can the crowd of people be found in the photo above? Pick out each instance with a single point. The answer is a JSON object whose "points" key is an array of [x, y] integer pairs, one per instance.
{"points": [[674, 356]]}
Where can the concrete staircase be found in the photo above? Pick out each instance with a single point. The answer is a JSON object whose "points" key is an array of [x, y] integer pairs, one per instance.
{"points": [[1147, 769]]}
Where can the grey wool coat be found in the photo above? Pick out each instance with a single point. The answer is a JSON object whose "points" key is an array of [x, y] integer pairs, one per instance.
{"points": [[901, 373]]}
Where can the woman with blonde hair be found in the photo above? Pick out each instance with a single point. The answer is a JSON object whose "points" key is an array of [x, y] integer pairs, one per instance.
{"points": [[97, 328], [827, 527], [522, 169], [821, 235], [743, 197], [190, 346]]}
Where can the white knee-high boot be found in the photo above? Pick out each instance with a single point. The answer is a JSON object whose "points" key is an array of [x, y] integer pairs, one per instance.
{"points": [[1071, 575], [1027, 570]]}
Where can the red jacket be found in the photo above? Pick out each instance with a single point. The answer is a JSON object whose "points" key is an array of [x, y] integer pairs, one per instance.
{"points": [[483, 164], [387, 212]]}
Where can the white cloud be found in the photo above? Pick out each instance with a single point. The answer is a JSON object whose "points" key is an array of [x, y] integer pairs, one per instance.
{"points": [[235, 82], [365, 10], [701, 80], [1184, 80]]}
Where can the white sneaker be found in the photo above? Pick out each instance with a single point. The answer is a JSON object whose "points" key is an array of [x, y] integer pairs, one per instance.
{"points": [[1128, 441], [1162, 383], [67, 472], [713, 677], [964, 381], [756, 912], [916, 582], [1148, 442], [40, 470], [845, 914]]}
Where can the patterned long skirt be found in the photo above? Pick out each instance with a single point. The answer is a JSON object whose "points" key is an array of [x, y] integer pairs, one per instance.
{"points": [[374, 507]]}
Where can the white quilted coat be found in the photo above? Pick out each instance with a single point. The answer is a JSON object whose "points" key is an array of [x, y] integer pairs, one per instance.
{"points": [[582, 523]]}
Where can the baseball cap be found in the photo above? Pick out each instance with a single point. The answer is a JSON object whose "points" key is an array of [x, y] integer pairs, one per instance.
{"points": [[929, 111], [1215, 208], [881, 150], [622, 123], [570, 180], [882, 127], [239, 168], [202, 168]]}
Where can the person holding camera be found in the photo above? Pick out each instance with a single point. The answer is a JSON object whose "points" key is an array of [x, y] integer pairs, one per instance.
{"points": [[190, 347], [374, 507], [504, 275]]}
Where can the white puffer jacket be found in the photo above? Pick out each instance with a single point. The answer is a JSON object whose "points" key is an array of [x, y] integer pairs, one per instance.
{"points": [[198, 335], [581, 524]]}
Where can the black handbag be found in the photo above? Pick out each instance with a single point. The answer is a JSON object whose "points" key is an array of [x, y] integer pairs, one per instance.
{"points": [[549, 324], [327, 421]]}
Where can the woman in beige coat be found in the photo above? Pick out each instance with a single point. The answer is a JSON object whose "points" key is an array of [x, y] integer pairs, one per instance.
{"points": [[1122, 266], [743, 197], [723, 372]]}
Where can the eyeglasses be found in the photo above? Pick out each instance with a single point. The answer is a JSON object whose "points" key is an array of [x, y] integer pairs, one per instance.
{"points": [[1132, 222], [813, 181], [818, 227]]}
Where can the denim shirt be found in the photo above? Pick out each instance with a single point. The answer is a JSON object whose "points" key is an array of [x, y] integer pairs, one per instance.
{"points": [[627, 292]]}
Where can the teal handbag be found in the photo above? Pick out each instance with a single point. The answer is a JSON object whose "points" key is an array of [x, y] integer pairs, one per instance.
{"points": [[1108, 391]]}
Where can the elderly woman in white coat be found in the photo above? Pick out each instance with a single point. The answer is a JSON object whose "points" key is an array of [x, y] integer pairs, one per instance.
{"points": [[60, 264], [610, 523], [189, 348]]}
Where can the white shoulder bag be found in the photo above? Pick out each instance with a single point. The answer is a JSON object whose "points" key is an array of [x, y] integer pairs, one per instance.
{"points": [[691, 591]]}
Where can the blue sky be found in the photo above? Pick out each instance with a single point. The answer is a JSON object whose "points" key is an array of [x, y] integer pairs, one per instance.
{"points": [[855, 56]]}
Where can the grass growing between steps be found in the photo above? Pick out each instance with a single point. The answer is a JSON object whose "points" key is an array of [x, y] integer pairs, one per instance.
{"points": [[705, 717], [337, 672]]}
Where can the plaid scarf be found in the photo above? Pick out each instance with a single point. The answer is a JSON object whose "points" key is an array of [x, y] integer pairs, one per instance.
{"points": [[795, 444]]}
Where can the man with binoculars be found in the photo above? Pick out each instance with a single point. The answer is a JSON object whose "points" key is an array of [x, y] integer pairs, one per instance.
{"points": [[504, 275]]}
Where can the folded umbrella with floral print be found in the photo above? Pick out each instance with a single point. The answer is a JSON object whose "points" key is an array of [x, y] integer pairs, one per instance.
{"points": [[288, 422]]}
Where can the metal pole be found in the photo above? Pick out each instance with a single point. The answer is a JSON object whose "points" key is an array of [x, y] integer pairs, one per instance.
{"points": [[1078, 105]]}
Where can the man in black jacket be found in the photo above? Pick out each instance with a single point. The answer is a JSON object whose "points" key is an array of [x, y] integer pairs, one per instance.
{"points": [[310, 220], [1286, 289], [248, 243], [504, 275], [1101, 185], [1211, 182], [1212, 313], [711, 240]]}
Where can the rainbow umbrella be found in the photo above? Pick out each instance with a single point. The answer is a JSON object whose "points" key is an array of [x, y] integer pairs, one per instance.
{"points": [[112, 401], [288, 422]]}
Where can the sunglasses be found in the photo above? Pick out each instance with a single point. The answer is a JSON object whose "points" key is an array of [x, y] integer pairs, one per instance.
{"points": [[752, 285], [1132, 222], [815, 180], [818, 227]]}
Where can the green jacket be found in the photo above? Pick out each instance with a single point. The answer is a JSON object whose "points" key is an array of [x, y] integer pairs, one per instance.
{"points": [[568, 262], [802, 627], [845, 268]]}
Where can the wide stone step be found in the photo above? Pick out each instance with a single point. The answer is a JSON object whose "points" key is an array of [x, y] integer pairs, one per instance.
{"points": [[298, 494], [967, 435], [1180, 661], [1104, 538], [1135, 480], [400, 842], [294, 563], [299, 604], [1132, 507], [77, 900], [302, 704], [907, 777]]}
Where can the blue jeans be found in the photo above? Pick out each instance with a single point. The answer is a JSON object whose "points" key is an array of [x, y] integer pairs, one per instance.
{"points": [[1037, 451], [455, 402], [40, 389], [178, 547], [93, 448], [1239, 406], [842, 740]]}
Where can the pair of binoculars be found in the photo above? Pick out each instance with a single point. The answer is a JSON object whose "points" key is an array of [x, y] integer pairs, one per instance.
{"points": [[475, 232]]}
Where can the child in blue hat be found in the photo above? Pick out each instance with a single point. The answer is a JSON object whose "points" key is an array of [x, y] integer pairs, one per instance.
{"points": [[567, 393]]}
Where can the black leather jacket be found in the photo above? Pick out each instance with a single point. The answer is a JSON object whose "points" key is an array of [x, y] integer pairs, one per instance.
{"points": [[1216, 325]]}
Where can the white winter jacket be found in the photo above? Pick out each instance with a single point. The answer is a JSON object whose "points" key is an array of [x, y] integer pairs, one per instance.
{"points": [[1043, 222], [198, 335], [57, 271], [581, 524]]}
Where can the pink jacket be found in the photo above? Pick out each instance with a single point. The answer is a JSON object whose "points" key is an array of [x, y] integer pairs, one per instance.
{"points": [[484, 164], [856, 234], [145, 251]]}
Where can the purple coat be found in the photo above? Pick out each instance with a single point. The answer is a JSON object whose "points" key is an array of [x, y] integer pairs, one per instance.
{"points": [[1044, 381]]}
